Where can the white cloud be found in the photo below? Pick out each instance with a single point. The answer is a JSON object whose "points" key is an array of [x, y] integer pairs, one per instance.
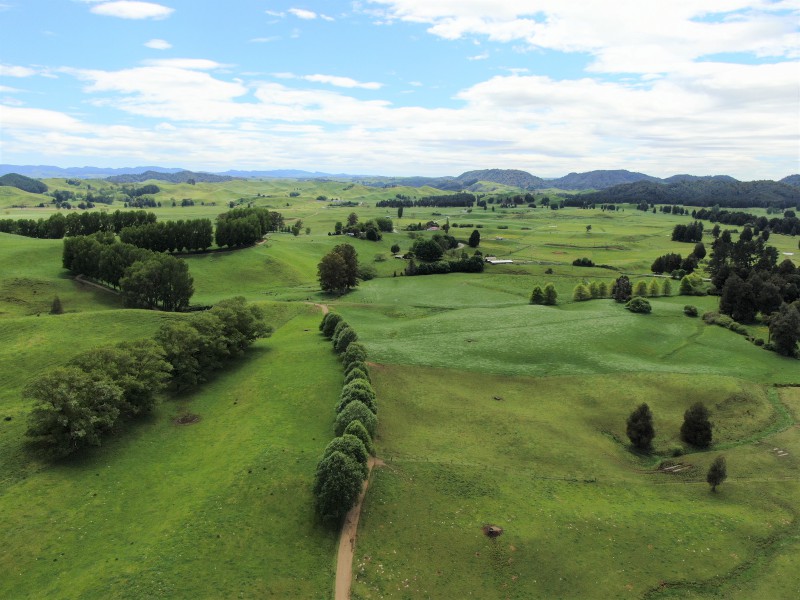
{"points": [[637, 36], [482, 56], [265, 40], [302, 13], [129, 9], [157, 44], [274, 13], [343, 82], [16, 71], [737, 119]]}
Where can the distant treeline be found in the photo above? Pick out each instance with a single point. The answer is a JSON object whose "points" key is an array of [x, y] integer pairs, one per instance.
{"points": [[727, 193], [58, 225], [462, 199], [788, 225], [147, 279], [26, 184]]}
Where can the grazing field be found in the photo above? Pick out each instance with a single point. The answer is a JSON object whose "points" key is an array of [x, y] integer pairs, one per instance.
{"points": [[492, 412]]}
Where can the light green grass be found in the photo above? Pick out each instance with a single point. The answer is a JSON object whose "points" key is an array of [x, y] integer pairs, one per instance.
{"points": [[216, 509], [582, 516]]}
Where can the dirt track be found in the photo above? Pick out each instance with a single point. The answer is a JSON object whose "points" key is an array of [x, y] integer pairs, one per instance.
{"points": [[347, 541]]}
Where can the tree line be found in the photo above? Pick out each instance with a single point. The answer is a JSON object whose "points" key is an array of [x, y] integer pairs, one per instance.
{"points": [[58, 225], [788, 224], [79, 404], [170, 236], [343, 467], [146, 279], [461, 199]]}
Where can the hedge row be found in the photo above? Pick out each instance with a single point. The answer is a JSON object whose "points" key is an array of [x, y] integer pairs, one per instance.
{"points": [[343, 468]]}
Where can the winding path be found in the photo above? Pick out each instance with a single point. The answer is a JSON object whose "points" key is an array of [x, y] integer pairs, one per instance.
{"points": [[347, 540]]}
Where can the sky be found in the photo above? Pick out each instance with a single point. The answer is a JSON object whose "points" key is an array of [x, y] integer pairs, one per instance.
{"points": [[404, 87]]}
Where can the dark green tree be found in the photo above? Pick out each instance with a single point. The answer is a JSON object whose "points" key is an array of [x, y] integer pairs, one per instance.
{"points": [[474, 239], [640, 428], [717, 473], [329, 325], [56, 308], [784, 329], [537, 295], [337, 485], [357, 429], [358, 390], [72, 409], [354, 374], [356, 411], [338, 270], [738, 300], [346, 337], [621, 290], [351, 446], [356, 352], [550, 295], [637, 304], [696, 427]]}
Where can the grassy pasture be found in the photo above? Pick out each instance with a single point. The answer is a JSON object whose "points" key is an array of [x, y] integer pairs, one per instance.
{"points": [[177, 511], [583, 517], [222, 507]]}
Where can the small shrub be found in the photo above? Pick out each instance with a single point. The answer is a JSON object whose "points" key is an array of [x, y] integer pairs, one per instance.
{"points": [[345, 338], [690, 311], [637, 304], [329, 324]]}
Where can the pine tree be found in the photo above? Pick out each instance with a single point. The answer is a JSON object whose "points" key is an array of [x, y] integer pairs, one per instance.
{"points": [[537, 296], [717, 473], [550, 295], [640, 428], [696, 428], [56, 308]]}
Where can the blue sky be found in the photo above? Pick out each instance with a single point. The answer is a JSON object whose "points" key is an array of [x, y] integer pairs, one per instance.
{"points": [[404, 87]]}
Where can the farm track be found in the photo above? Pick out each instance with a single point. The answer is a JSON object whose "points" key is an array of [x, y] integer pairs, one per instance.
{"points": [[347, 540]]}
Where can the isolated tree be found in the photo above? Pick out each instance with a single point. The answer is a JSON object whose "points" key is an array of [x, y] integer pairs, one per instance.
{"points": [[352, 219], [337, 484], [588, 229], [399, 212], [338, 270], [621, 289], [550, 295], [717, 473], [395, 248], [696, 428], [56, 308], [474, 238], [784, 329], [640, 428], [537, 296]]}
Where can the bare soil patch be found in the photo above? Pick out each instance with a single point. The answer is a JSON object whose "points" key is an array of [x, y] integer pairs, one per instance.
{"points": [[187, 419]]}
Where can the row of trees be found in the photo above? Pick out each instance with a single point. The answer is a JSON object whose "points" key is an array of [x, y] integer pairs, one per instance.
{"points": [[461, 199], [58, 225], [147, 279], [246, 226], [77, 405], [789, 224], [171, 236], [341, 472], [674, 263]]}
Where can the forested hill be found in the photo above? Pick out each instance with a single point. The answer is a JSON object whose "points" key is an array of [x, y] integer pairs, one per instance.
{"points": [[792, 180], [179, 177], [709, 191], [23, 183], [597, 180], [512, 177]]}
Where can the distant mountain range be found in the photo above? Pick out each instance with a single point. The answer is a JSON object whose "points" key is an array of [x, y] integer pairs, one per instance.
{"points": [[591, 180]]}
